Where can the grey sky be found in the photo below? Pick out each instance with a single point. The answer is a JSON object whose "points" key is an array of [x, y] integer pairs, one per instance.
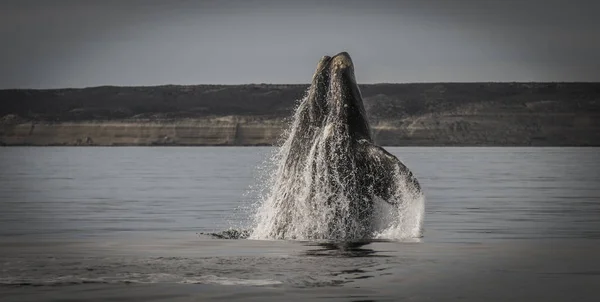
{"points": [[60, 43]]}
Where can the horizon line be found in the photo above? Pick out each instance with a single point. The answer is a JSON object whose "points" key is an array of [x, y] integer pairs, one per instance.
{"points": [[307, 84]]}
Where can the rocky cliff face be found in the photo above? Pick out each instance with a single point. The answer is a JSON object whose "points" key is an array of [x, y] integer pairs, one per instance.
{"points": [[427, 130], [193, 132], [499, 114]]}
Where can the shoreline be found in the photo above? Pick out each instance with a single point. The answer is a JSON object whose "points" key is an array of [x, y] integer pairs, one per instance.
{"points": [[276, 146], [426, 114]]}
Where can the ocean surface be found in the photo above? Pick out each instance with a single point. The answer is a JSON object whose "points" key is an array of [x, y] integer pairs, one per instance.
{"points": [[134, 224]]}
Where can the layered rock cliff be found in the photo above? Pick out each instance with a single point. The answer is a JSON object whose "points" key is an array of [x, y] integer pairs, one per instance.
{"points": [[495, 114]]}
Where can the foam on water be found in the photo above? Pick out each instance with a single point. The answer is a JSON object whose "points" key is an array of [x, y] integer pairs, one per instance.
{"points": [[312, 192]]}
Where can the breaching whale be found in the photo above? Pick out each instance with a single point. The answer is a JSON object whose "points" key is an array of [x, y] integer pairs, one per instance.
{"points": [[331, 177]]}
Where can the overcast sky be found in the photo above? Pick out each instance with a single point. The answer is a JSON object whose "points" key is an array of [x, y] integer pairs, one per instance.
{"points": [[79, 43]]}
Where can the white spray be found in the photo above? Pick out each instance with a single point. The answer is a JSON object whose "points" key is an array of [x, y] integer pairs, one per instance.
{"points": [[322, 189]]}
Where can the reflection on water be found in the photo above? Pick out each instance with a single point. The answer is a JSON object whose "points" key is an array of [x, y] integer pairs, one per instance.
{"points": [[341, 249], [351, 249]]}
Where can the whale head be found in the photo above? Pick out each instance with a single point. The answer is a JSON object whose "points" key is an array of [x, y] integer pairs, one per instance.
{"points": [[344, 99], [335, 98]]}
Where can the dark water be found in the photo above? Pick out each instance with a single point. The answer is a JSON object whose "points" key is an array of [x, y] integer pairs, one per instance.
{"points": [[122, 224]]}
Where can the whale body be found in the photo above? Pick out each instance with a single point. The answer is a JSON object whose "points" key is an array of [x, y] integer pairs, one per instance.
{"points": [[331, 177]]}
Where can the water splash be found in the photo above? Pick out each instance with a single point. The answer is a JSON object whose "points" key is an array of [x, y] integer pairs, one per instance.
{"points": [[330, 181], [322, 188]]}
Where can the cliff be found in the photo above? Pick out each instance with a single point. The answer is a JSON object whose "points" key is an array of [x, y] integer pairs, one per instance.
{"points": [[498, 114]]}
